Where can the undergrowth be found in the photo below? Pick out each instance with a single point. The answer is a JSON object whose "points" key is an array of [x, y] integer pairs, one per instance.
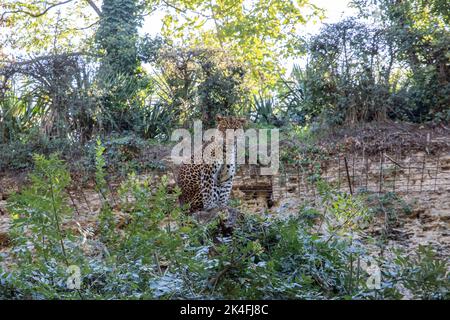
{"points": [[159, 251]]}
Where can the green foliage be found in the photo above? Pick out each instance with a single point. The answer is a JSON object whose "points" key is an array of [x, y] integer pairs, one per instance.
{"points": [[343, 213], [15, 116], [265, 109], [156, 227], [18, 154], [106, 218], [123, 86], [145, 246], [38, 27], [55, 96], [301, 151], [347, 78], [160, 252], [221, 91], [39, 209], [42, 248], [200, 84], [100, 174], [391, 62], [389, 205], [256, 34], [123, 153], [420, 32], [423, 274], [117, 36]]}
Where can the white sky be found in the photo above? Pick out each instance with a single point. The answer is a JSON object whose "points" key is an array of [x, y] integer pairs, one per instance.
{"points": [[335, 9]]}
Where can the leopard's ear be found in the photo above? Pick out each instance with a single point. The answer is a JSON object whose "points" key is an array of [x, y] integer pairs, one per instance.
{"points": [[219, 117], [243, 121]]}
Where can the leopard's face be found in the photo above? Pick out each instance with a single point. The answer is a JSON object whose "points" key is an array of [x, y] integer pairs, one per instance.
{"points": [[235, 123]]}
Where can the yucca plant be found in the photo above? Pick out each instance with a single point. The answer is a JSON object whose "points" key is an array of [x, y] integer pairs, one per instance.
{"points": [[264, 108], [16, 115]]}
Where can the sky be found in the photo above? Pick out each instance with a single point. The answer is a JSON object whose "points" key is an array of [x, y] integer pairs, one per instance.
{"points": [[335, 9]]}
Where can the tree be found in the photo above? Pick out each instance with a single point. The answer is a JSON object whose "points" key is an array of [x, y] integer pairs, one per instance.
{"points": [[348, 74], [200, 83], [45, 71], [119, 78], [420, 30], [117, 36], [256, 33], [37, 27]]}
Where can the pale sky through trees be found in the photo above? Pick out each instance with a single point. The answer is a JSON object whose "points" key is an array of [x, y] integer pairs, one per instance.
{"points": [[335, 11]]}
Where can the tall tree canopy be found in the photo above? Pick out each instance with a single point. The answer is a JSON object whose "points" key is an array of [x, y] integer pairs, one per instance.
{"points": [[257, 33], [40, 26], [117, 36], [420, 30]]}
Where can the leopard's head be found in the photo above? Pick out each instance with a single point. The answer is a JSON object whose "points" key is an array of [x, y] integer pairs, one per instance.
{"points": [[224, 123]]}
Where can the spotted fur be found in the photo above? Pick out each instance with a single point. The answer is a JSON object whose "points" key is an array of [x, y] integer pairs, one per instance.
{"points": [[208, 185]]}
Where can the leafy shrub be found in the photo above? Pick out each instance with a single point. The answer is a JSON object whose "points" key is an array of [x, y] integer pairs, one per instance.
{"points": [[200, 83], [423, 274], [18, 154], [394, 68], [390, 205], [42, 249]]}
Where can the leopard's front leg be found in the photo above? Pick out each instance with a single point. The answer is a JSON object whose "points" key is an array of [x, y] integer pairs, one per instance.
{"points": [[209, 188], [226, 183]]}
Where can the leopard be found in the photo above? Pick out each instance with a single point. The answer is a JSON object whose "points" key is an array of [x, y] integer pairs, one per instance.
{"points": [[207, 185]]}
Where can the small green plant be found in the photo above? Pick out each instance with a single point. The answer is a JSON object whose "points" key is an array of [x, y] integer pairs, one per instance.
{"points": [[388, 205], [39, 209], [343, 213], [100, 174], [42, 248], [107, 222], [423, 274]]}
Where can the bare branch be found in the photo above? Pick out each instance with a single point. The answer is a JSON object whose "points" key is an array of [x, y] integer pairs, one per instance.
{"points": [[15, 64], [183, 10], [32, 14], [87, 27], [94, 6]]}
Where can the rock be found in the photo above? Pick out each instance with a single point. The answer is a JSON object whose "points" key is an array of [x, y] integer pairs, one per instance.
{"points": [[4, 240], [228, 217]]}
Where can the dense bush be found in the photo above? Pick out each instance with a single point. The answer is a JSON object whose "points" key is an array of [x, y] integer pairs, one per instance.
{"points": [[391, 62], [200, 83]]}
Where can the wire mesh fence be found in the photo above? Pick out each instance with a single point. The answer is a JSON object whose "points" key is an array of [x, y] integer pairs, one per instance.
{"points": [[355, 173]]}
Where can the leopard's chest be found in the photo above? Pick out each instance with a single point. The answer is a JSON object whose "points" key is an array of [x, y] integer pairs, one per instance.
{"points": [[220, 168]]}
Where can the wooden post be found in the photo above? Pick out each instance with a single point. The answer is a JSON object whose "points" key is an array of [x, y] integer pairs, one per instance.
{"points": [[348, 176], [381, 173], [437, 171], [423, 171]]}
